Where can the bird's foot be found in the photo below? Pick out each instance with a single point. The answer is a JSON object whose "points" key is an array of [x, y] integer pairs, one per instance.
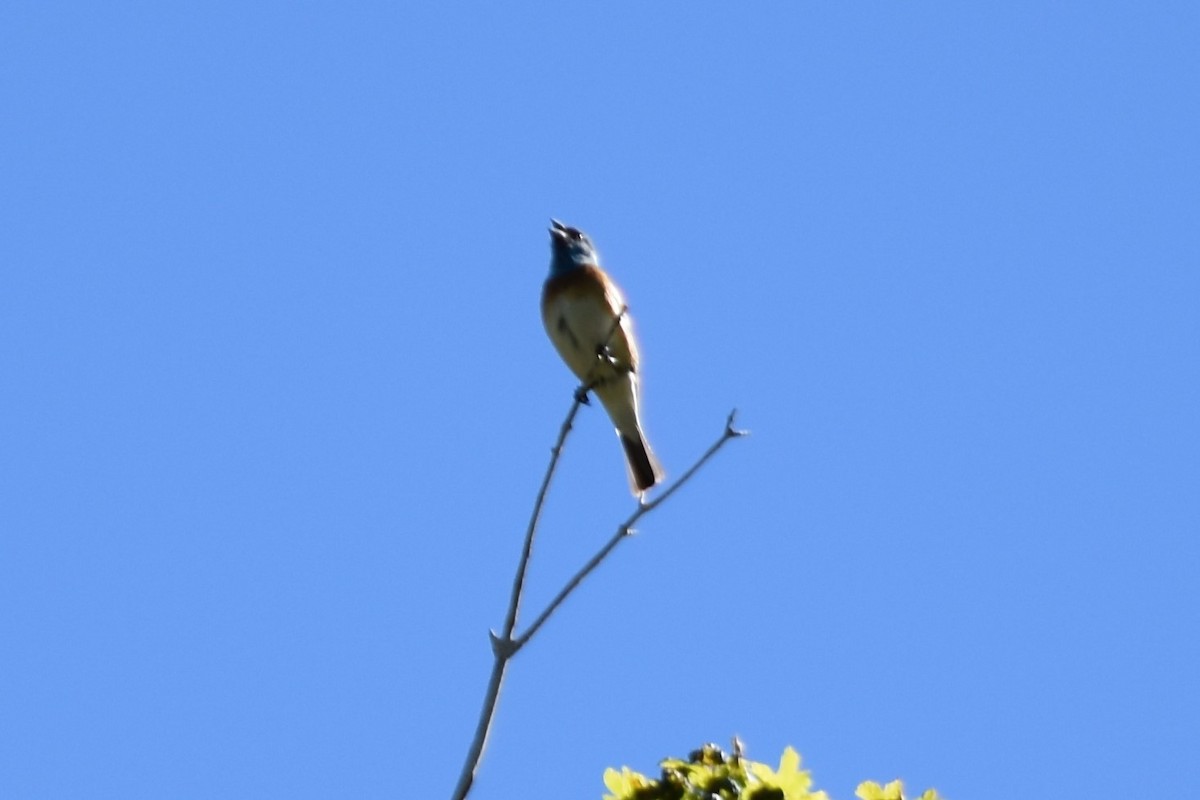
{"points": [[606, 356]]}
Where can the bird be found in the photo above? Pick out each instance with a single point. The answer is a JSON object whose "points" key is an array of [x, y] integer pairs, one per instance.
{"points": [[588, 322]]}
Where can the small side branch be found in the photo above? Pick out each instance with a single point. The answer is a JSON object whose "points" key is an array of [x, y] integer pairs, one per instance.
{"points": [[626, 528]]}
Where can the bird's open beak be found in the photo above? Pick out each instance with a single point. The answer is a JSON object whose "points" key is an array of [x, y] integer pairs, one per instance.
{"points": [[558, 230]]}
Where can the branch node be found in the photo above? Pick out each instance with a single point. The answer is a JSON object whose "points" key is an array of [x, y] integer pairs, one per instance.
{"points": [[502, 647]]}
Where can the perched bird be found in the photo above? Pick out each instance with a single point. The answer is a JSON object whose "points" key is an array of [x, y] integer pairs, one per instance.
{"points": [[588, 322]]}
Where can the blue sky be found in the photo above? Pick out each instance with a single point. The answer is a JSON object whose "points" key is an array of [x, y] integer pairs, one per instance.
{"points": [[277, 398]]}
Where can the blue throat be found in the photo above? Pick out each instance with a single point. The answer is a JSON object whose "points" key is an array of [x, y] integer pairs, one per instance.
{"points": [[564, 260]]}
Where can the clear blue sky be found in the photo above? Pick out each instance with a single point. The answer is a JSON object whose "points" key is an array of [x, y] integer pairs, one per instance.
{"points": [[276, 398]]}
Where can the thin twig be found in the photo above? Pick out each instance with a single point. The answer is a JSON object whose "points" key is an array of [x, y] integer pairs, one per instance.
{"points": [[625, 528], [514, 603], [503, 646]]}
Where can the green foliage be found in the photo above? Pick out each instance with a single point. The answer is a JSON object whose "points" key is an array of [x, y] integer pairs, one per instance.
{"points": [[711, 774]]}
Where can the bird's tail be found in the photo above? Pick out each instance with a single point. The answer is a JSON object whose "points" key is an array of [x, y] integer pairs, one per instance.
{"points": [[620, 399], [644, 469]]}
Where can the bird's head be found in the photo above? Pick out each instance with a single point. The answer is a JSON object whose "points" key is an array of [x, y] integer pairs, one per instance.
{"points": [[570, 248]]}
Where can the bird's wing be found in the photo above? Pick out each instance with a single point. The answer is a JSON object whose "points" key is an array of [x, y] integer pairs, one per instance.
{"points": [[623, 344]]}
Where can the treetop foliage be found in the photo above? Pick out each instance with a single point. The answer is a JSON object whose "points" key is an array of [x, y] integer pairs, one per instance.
{"points": [[711, 774]]}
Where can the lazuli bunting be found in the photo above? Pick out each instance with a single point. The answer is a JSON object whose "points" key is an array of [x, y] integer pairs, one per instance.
{"points": [[580, 308]]}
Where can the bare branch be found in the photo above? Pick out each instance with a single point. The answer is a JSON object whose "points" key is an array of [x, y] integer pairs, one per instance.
{"points": [[504, 645], [467, 777]]}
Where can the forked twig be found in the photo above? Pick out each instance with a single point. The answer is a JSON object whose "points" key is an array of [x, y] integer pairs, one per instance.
{"points": [[504, 644]]}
